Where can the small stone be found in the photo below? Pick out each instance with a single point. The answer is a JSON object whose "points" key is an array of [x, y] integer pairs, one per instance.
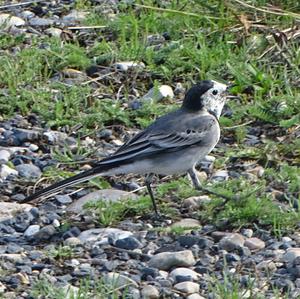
{"points": [[196, 202], [188, 223], [157, 94], [33, 147], [10, 21], [286, 239], [268, 266], [101, 235], [4, 156], [31, 230], [12, 257], [220, 175], [166, 260], [129, 243], [150, 292], [27, 14], [195, 296], [247, 232], [45, 233], [129, 65], [184, 272], [37, 21], [187, 287], [72, 241], [23, 278], [63, 199], [56, 223], [254, 244], [6, 171], [55, 32], [232, 241], [75, 17], [3, 288], [291, 254], [29, 171], [118, 280]]}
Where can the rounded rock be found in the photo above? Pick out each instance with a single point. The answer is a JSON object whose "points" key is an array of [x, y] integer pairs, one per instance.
{"points": [[72, 241], [187, 287], [187, 273], [31, 230], [29, 171], [232, 242], [166, 260], [254, 244], [150, 292]]}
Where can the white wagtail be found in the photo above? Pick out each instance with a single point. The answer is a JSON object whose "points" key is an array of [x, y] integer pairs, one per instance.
{"points": [[173, 144]]}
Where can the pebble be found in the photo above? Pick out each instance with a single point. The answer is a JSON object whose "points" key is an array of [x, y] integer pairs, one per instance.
{"points": [[232, 241], [129, 243], [187, 273], [254, 244], [45, 233], [6, 171], [150, 292], [55, 32], [166, 260], [33, 147], [247, 232], [195, 296], [10, 21], [63, 199], [31, 230], [187, 287], [220, 175], [75, 16], [4, 156], [12, 257], [101, 235], [129, 65], [39, 22], [157, 94], [291, 254], [72, 241], [29, 171], [118, 280]]}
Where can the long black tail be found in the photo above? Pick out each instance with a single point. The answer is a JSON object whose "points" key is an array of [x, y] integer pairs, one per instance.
{"points": [[76, 179]]}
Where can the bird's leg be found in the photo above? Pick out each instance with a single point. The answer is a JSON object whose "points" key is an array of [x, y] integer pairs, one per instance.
{"points": [[148, 182], [197, 185]]}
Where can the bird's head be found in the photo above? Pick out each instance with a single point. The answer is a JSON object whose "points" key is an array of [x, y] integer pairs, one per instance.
{"points": [[207, 94]]}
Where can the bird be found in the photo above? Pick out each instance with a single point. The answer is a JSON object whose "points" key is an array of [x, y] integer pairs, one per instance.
{"points": [[171, 145]]}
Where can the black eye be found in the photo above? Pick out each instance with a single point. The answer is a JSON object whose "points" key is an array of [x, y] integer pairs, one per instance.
{"points": [[214, 92]]}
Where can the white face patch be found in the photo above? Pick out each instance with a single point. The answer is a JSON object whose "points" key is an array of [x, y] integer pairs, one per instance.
{"points": [[214, 99]]}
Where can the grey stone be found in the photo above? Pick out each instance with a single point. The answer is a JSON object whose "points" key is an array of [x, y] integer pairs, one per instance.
{"points": [[184, 272], [33, 147], [72, 241], [101, 235], [10, 209], [4, 156], [111, 195], [63, 199], [55, 32], [31, 230], [12, 257], [118, 280], [194, 296], [166, 260], [247, 232], [291, 254], [129, 65], [157, 94], [6, 171], [27, 14], [220, 175], [187, 287], [29, 171], [254, 244], [129, 243], [10, 21], [75, 16], [150, 292], [45, 233], [59, 138], [37, 21], [232, 241]]}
